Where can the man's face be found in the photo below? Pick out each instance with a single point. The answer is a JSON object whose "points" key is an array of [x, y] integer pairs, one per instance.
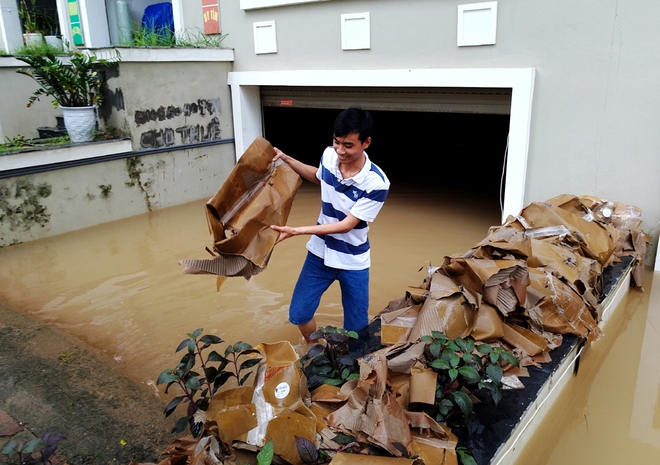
{"points": [[350, 148]]}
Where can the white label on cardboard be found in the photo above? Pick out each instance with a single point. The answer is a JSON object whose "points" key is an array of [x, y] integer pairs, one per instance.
{"points": [[282, 390]]}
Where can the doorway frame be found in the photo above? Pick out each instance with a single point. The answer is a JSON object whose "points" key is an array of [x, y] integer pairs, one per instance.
{"points": [[248, 123]]}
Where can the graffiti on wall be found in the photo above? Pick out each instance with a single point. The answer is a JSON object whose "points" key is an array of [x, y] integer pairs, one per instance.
{"points": [[186, 134]]}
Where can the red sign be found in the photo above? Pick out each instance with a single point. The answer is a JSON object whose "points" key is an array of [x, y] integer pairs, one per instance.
{"points": [[286, 103], [211, 15]]}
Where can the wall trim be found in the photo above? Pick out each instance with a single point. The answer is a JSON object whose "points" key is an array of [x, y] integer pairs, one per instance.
{"points": [[245, 91]]}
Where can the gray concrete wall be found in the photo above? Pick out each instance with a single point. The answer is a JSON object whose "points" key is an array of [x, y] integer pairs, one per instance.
{"points": [[165, 104], [595, 118], [53, 202], [15, 90]]}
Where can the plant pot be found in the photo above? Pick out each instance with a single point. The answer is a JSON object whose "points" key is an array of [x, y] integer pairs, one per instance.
{"points": [[33, 38], [54, 41], [80, 122]]}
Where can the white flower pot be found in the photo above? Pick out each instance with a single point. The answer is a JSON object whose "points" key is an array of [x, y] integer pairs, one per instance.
{"points": [[54, 41], [33, 38], [80, 122]]}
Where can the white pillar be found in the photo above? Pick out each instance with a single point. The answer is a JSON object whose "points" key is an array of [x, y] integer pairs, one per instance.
{"points": [[94, 21], [179, 23], [11, 36], [246, 107]]}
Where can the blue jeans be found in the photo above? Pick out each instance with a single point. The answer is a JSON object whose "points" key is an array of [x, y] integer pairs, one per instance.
{"points": [[315, 278]]}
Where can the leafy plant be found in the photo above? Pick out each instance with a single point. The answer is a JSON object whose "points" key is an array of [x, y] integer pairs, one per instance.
{"points": [[35, 19], [463, 368], [32, 451], [330, 363], [149, 36], [77, 84], [198, 389], [41, 48], [265, 455]]}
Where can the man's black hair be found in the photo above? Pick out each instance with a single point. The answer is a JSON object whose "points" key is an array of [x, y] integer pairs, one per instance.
{"points": [[354, 120]]}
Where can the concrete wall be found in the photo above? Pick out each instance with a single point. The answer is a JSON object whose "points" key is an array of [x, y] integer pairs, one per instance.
{"points": [[15, 90], [594, 117], [169, 103], [53, 202]]}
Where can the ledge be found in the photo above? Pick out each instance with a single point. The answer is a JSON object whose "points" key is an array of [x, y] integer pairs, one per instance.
{"points": [[138, 55], [74, 152]]}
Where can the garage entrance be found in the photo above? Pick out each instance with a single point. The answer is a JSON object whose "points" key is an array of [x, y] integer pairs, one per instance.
{"points": [[447, 138]]}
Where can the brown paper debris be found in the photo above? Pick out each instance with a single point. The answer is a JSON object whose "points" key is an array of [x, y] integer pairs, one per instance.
{"points": [[257, 194]]}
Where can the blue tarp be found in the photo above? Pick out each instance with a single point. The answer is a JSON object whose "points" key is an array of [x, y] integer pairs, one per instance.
{"points": [[158, 17]]}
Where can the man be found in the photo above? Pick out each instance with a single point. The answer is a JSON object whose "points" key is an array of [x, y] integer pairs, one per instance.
{"points": [[353, 190]]}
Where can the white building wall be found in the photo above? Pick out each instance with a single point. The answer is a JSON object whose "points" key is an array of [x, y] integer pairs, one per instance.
{"points": [[594, 117]]}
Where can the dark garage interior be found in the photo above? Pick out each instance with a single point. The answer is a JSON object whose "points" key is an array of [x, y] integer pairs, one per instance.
{"points": [[446, 150]]}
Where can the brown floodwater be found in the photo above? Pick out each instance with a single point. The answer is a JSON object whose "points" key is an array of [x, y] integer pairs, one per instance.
{"points": [[118, 287]]}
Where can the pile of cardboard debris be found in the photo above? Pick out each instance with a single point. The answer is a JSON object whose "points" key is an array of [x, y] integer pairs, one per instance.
{"points": [[529, 281]]}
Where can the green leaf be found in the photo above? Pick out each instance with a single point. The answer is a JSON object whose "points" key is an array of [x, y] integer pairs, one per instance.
{"points": [[439, 364], [210, 373], [221, 379], [435, 347], [241, 346], [195, 334], [167, 377], [460, 342], [193, 383], [425, 338], [494, 372], [345, 372], [484, 349], [265, 455], [33, 445], [342, 438], [353, 376], [352, 334], [463, 401], [210, 339], [244, 378], [191, 347], [334, 382], [172, 405], [465, 456], [180, 425], [216, 357], [453, 373], [510, 358], [183, 344], [453, 346], [494, 357], [454, 360], [467, 357], [470, 374], [247, 364]]}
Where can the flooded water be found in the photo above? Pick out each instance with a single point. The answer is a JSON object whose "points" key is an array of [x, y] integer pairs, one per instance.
{"points": [[610, 412], [119, 287]]}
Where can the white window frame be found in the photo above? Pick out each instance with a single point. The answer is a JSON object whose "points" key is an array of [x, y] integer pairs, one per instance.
{"points": [[351, 43], [246, 104], [464, 37], [255, 4], [269, 45]]}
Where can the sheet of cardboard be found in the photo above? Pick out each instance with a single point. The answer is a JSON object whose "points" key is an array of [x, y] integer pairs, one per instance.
{"points": [[344, 458], [488, 325], [257, 194], [524, 339], [372, 411], [234, 412], [396, 326], [502, 283], [423, 382], [288, 424], [593, 239]]}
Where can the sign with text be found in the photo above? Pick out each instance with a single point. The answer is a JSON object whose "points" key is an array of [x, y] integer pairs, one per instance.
{"points": [[211, 15], [74, 19]]}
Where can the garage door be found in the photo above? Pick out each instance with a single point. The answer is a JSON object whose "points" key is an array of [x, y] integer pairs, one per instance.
{"points": [[439, 100]]}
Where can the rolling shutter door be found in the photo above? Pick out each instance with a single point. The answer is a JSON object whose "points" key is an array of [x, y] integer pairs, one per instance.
{"points": [[439, 100]]}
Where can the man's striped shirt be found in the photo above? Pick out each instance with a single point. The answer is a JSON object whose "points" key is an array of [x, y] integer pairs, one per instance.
{"points": [[362, 196]]}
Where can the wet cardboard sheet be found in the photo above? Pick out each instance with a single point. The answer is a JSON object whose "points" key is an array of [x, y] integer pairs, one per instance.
{"points": [[257, 194]]}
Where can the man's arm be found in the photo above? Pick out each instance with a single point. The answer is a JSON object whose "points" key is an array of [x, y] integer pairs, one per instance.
{"points": [[305, 171], [342, 226]]}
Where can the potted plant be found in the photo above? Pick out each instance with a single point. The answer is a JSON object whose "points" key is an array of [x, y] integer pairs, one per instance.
{"points": [[30, 18], [74, 86]]}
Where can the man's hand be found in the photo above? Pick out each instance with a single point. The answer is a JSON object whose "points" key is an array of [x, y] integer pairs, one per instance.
{"points": [[285, 232], [305, 171]]}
